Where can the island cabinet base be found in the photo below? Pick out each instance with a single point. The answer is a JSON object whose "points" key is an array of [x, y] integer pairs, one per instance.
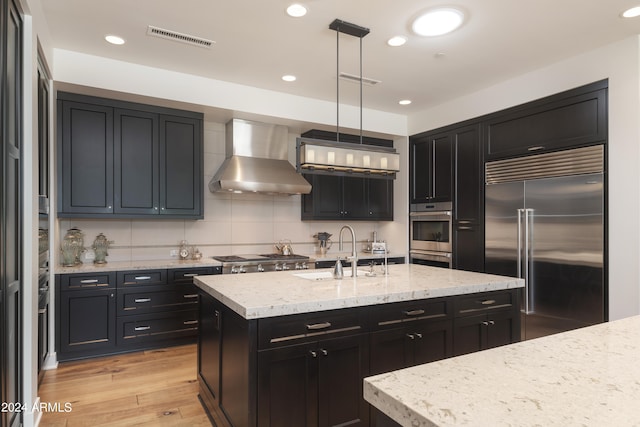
{"points": [[308, 369]]}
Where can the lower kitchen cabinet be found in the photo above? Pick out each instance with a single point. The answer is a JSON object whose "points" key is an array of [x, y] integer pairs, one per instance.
{"points": [[307, 369], [485, 321], [314, 384], [119, 311]]}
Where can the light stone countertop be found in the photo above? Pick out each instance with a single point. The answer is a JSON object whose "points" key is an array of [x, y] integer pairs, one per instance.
{"points": [[90, 267], [280, 293], [584, 377]]}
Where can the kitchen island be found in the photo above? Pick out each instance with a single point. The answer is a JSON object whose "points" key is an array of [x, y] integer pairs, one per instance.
{"points": [[292, 347], [586, 377]]}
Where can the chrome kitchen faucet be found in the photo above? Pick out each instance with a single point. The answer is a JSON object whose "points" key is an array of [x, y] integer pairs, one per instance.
{"points": [[354, 253]]}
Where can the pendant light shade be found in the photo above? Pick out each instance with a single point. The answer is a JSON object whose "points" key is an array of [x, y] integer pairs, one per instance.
{"points": [[326, 157]]}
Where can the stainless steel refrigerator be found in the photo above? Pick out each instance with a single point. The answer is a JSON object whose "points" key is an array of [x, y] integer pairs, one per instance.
{"points": [[545, 223]]}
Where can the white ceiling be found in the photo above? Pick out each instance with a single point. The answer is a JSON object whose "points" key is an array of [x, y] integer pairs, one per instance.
{"points": [[256, 42]]}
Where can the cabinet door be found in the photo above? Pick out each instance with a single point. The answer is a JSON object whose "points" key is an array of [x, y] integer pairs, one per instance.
{"points": [[431, 340], [419, 172], [342, 365], [469, 334], [469, 183], [354, 198], [86, 158], [380, 199], [390, 351], [87, 322], [209, 341], [503, 328], [468, 246], [325, 198], [441, 169], [136, 162], [288, 386], [180, 166]]}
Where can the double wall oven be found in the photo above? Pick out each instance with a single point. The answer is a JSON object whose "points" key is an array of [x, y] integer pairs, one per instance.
{"points": [[430, 234]]}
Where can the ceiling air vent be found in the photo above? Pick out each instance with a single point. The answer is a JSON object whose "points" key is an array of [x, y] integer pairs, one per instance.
{"points": [[179, 37], [356, 79]]}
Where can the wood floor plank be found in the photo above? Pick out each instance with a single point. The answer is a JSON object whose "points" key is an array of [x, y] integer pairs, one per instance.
{"points": [[147, 388]]}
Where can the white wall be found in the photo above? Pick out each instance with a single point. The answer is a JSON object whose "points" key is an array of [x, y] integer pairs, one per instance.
{"points": [[619, 62]]}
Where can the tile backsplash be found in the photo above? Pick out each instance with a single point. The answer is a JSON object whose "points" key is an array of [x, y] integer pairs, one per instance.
{"points": [[232, 224]]}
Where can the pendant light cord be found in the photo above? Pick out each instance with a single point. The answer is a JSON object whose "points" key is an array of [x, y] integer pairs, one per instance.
{"points": [[337, 86]]}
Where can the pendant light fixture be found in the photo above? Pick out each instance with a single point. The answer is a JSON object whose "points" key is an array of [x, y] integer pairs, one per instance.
{"points": [[335, 157]]}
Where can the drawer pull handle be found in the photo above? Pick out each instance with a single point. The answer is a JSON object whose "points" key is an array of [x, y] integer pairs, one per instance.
{"points": [[316, 326], [488, 302], [89, 281], [414, 312], [536, 148], [142, 328], [190, 322], [191, 275], [139, 300], [190, 296], [143, 277], [313, 353]]}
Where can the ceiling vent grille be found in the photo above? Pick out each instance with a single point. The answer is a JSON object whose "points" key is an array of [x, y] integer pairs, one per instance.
{"points": [[179, 37], [356, 79]]}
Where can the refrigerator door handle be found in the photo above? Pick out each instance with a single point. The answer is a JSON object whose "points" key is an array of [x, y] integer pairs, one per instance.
{"points": [[519, 250], [528, 225]]}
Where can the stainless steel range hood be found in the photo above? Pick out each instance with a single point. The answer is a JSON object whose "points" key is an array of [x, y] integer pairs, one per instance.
{"points": [[257, 161]]}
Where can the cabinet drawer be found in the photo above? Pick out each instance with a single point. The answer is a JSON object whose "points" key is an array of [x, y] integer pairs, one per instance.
{"points": [[145, 300], [466, 305], [288, 330], [142, 278], [69, 282], [149, 328], [403, 313], [186, 275]]}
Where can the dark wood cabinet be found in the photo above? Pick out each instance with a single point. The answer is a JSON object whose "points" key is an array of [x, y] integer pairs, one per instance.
{"points": [[430, 168], [85, 158], [486, 320], [573, 118], [86, 315], [119, 311], [314, 384], [123, 160], [468, 199], [341, 197]]}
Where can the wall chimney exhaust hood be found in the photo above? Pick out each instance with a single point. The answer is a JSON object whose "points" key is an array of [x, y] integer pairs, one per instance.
{"points": [[257, 161]]}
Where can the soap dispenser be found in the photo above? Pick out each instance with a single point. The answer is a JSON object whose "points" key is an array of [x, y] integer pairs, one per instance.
{"points": [[337, 270]]}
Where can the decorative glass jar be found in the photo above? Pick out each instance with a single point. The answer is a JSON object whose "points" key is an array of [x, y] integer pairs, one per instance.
{"points": [[100, 247]]}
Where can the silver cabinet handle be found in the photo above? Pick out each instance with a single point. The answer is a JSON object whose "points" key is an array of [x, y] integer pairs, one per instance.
{"points": [[418, 335], [491, 322], [89, 281], [313, 353], [316, 326], [413, 312], [190, 322], [488, 302], [191, 274], [142, 328], [140, 300], [485, 323], [324, 352], [411, 336], [143, 277], [536, 148], [190, 296]]}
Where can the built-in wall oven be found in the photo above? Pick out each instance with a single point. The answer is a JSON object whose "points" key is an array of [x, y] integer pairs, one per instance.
{"points": [[430, 234]]}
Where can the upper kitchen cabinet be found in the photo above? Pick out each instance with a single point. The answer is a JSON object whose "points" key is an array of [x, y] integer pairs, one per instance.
{"points": [[123, 160], [339, 197], [574, 118], [430, 169]]}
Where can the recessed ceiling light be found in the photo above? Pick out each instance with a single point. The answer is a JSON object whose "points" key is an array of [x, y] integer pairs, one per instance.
{"points": [[437, 22], [404, 102], [114, 39], [396, 41], [296, 10], [289, 78], [631, 13]]}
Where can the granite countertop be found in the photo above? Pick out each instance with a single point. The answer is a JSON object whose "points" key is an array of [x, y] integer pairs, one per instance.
{"points": [[286, 292], [585, 377], [137, 265]]}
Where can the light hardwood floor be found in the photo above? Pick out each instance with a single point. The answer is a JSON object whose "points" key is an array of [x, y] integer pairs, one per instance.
{"points": [[148, 388]]}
